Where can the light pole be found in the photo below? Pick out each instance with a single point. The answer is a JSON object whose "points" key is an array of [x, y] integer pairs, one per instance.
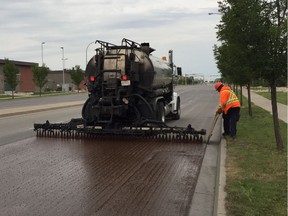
{"points": [[63, 62], [42, 52], [87, 50]]}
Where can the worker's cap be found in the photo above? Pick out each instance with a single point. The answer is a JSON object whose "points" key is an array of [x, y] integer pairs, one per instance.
{"points": [[218, 85]]}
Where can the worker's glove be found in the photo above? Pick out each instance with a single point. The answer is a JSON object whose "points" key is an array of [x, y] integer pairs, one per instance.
{"points": [[219, 111]]}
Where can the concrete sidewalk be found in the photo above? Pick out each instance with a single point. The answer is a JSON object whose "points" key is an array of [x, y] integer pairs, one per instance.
{"points": [[265, 103]]}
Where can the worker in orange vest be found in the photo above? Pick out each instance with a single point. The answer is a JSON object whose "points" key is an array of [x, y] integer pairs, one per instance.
{"points": [[229, 105]]}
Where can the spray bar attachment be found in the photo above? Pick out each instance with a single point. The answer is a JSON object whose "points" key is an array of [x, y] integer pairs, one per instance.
{"points": [[76, 129]]}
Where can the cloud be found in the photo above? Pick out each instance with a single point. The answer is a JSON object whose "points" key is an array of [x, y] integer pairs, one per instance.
{"points": [[183, 25]]}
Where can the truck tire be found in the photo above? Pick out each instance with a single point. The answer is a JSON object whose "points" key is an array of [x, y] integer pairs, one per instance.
{"points": [[178, 111], [160, 112], [87, 112]]}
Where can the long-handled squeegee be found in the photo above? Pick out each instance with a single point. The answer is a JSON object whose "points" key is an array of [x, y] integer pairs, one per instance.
{"points": [[212, 126]]}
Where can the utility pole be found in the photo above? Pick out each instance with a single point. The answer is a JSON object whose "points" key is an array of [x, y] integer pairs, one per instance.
{"points": [[87, 50], [63, 62], [42, 52]]}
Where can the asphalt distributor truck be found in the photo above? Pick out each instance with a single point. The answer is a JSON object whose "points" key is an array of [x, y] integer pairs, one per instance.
{"points": [[131, 93]]}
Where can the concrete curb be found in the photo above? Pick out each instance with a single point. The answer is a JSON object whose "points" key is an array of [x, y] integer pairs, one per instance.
{"points": [[39, 108], [220, 194]]}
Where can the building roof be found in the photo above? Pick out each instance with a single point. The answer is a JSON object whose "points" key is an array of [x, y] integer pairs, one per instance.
{"points": [[19, 63], [59, 71]]}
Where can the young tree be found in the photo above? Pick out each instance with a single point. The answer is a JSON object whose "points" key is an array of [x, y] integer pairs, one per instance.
{"points": [[11, 71], [228, 59], [77, 76], [273, 52], [257, 29], [236, 31], [40, 76]]}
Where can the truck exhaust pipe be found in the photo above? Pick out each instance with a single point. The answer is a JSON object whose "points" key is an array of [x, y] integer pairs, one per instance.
{"points": [[171, 58]]}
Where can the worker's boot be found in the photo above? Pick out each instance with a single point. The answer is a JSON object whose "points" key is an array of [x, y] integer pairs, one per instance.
{"points": [[225, 134]]}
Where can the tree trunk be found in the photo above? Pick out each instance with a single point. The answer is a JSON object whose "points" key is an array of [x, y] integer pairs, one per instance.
{"points": [[40, 91], [241, 95], [279, 141], [12, 94], [236, 89], [249, 100]]}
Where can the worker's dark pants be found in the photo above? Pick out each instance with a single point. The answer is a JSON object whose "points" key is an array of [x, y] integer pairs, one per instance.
{"points": [[230, 121]]}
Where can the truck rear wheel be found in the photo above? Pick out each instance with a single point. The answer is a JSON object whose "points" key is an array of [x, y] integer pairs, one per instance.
{"points": [[87, 112], [178, 111], [160, 112]]}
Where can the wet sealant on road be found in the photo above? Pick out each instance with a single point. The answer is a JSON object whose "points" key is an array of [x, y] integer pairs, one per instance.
{"points": [[47, 176]]}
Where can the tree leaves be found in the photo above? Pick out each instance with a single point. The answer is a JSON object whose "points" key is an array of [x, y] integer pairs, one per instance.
{"points": [[254, 46], [40, 76], [77, 76], [11, 71]]}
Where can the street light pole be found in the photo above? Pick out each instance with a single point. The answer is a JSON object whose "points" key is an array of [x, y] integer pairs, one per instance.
{"points": [[42, 52], [87, 50], [63, 62]]}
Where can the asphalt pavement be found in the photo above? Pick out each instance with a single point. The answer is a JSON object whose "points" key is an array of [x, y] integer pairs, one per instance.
{"points": [[38, 104], [210, 161], [205, 188], [37, 108]]}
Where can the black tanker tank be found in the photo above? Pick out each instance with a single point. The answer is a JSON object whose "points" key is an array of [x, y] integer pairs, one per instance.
{"points": [[129, 86]]}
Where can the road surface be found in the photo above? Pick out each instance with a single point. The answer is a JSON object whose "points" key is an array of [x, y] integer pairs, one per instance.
{"points": [[47, 176]]}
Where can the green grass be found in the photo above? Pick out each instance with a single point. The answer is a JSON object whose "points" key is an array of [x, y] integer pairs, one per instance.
{"points": [[256, 171], [281, 96], [51, 93], [5, 96]]}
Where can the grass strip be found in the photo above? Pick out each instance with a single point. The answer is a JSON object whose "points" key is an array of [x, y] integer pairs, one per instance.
{"points": [[256, 171]]}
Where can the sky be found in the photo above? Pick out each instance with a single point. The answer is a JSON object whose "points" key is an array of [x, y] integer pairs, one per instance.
{"points": [[181, 25]]}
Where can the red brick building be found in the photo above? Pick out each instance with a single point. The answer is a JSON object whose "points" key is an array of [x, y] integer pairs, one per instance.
{"points": [[25, 76], [26, 84]]}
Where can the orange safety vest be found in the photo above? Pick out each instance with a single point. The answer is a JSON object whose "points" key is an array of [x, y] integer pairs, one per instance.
{"points": [[228, 99]]}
